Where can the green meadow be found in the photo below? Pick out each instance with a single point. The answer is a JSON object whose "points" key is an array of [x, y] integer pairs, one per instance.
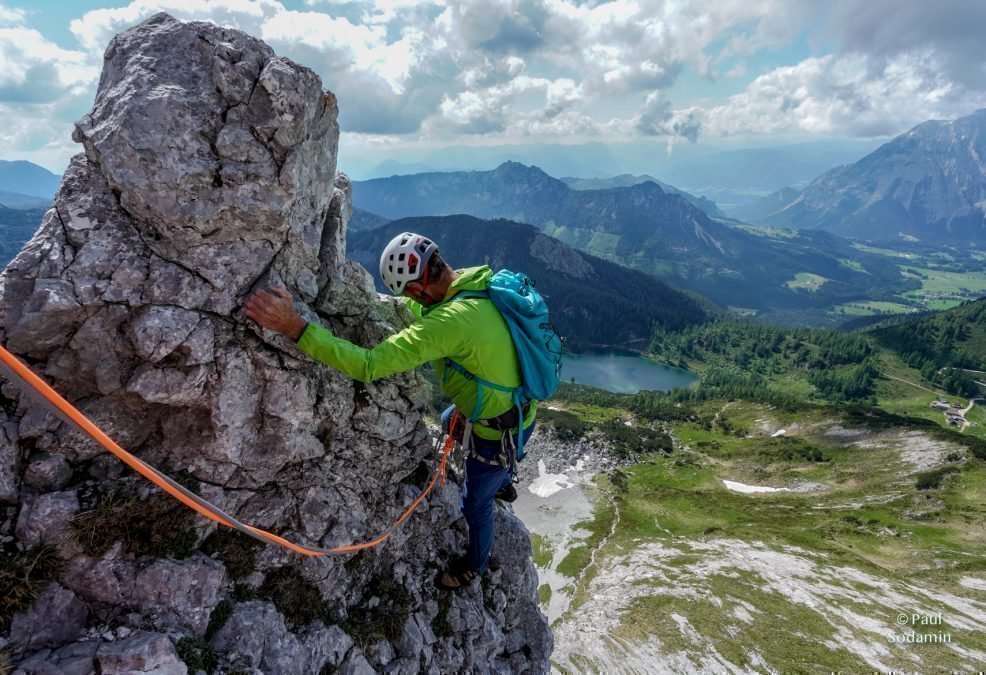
{"points": [[873, 508]]}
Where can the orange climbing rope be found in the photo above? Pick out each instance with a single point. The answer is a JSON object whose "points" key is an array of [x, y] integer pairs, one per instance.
{"points": [[42, 392]]}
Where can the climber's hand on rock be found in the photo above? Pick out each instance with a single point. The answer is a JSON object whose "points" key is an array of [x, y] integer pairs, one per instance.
{"points": [[274, 309]]}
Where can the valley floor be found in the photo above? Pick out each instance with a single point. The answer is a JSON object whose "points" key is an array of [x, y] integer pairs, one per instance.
{"points": [[660, 567]]}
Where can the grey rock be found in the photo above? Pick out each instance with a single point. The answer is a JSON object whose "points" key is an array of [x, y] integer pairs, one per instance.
{"points": [[34, 628], [209, 171], [50, 315], [47, 473], [325, 646], [35, 423], [519, 663], [403, 666], [9, 463], [45, 518], [449, 658], [169, 386], [256, 637], [380, 653], [199, 346], [108, 580], [332, 250], [412, 641], [157, 331], [501, 666], [424, 627], [179, 593], [73, 659], [94, 344], [356, 664], [192, 174], [142, 653]]}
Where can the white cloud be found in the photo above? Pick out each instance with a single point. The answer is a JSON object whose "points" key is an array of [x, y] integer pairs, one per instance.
{"points": [[95, 28], [561, 94], [368, 69], [10, 15], [43, 89], [493, 109], [888, 28], [656, 118], [35, 70], [499, 26], [42, 132], [849, 95], [426, 69]]}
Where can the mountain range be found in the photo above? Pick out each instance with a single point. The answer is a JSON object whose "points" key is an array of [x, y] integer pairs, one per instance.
{"points": [[928, 184], [26, 179], [730, 176], [642, 227], [17, 226], [629, 180], [593, 301]]}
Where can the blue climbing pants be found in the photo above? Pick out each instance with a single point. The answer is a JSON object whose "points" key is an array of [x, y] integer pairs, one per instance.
{"points": [[482, 483]]}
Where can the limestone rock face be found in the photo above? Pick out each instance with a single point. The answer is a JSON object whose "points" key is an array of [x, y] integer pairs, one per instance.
{"points": [[209, 170]]}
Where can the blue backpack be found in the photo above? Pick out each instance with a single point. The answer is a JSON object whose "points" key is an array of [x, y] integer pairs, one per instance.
{"points": [[538, 346]]}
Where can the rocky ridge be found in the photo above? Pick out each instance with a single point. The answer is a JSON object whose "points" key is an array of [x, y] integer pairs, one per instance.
{"points": [[209, 170]]}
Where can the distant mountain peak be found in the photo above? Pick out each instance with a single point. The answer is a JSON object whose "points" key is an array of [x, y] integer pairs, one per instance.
{"points": [[927, 184], [26, 178], [512, 168], [649, 186]]}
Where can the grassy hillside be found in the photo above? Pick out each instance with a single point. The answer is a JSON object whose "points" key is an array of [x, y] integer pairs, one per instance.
{"points": [[948, 348], [803, 508], [875, 516], [901, 368], [771, 363]]}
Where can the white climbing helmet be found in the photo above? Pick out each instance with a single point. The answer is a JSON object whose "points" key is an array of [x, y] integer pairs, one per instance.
{"points": [[404, 259]]}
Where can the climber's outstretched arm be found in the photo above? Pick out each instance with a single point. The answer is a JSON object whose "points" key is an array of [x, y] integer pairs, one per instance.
{"points": [[427, 339]]}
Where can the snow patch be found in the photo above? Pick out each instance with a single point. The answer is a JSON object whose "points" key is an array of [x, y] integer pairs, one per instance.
{"points": [[547, 484], [740, 487], [973, 582], [779, 432]]}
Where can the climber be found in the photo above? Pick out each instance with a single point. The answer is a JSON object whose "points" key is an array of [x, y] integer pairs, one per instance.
{"points": [[472, 333]]}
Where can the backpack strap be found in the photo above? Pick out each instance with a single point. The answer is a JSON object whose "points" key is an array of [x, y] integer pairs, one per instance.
{"points": [[480, 384]]}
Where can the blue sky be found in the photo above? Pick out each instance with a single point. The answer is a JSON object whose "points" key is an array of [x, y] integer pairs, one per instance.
{"points": [[428, 73]]}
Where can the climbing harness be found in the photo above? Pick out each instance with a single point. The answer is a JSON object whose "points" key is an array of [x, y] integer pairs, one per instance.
{"points": [[53, 402]]}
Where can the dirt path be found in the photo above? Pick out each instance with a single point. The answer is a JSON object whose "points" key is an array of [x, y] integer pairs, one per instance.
{"points": [[715, 420], [965, 411], [891, 377]]}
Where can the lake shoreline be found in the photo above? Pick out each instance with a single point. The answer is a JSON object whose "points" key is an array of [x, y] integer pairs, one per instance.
{"points": [[623, 371]]}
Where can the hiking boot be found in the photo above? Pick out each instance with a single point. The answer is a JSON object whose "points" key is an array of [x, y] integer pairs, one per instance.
{"points": [[507, 493], [457, 575]]}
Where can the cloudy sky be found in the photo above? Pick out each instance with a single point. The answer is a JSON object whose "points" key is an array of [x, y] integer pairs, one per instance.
{"points": [[438, 72]]}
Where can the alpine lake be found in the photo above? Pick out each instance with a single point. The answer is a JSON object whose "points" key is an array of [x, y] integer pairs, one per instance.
{"points": [[623, 372]]}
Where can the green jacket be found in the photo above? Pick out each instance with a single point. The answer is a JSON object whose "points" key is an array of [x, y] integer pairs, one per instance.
{"points": [[470, 331]]}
